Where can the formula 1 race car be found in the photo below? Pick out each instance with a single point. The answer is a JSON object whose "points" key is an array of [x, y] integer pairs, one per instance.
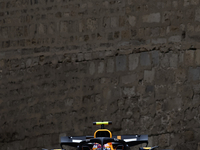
{"points": [[104, 140]]}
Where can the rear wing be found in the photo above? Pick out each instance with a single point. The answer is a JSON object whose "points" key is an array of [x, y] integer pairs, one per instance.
{"points": [[130, 140]]}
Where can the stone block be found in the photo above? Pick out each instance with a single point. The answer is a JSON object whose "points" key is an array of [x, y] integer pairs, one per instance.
{"points": [[180, 75], [2, 64], [69, 102], [175, 4], [186, 3], [4, 32], [80, 57], [42, 29], [110, 65], [107, 93], [133, 61], [122, 21], [109, 53], [141, 42], [51, 28], [189, 136], [190, 27], [159, 41], [121, 63], [98, 55], [63, 26], [114, 22], [101, 67], [132, 20], [175, 39], [141, 32], [40, 141], [81, 26], [90, 4], [145, 59], [106, 22], [149, 89], [106, 4], [186, 91], [197, 14], [151, 18], [92, 24], [175, 104], [173, 60], [189, 58], [116, 34], [92, 68], [125, 34], [149, 75], [164, 140], [128, 91], [197, 28], [150, 140], [154, 32], [165, 60], [87, 56], [194, 2], [196, 88], [181, 59], [167, 16], [197, 57], [155, 55], [28, 62], [194, 74], [195, 99], [164, 76], [128, 79], [162, 32]]}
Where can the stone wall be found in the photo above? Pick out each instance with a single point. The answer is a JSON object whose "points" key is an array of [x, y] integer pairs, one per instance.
{"points": [[67, 63]]}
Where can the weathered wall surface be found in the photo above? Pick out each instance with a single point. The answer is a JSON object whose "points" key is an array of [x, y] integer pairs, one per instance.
{"points": [[67, 63]]}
